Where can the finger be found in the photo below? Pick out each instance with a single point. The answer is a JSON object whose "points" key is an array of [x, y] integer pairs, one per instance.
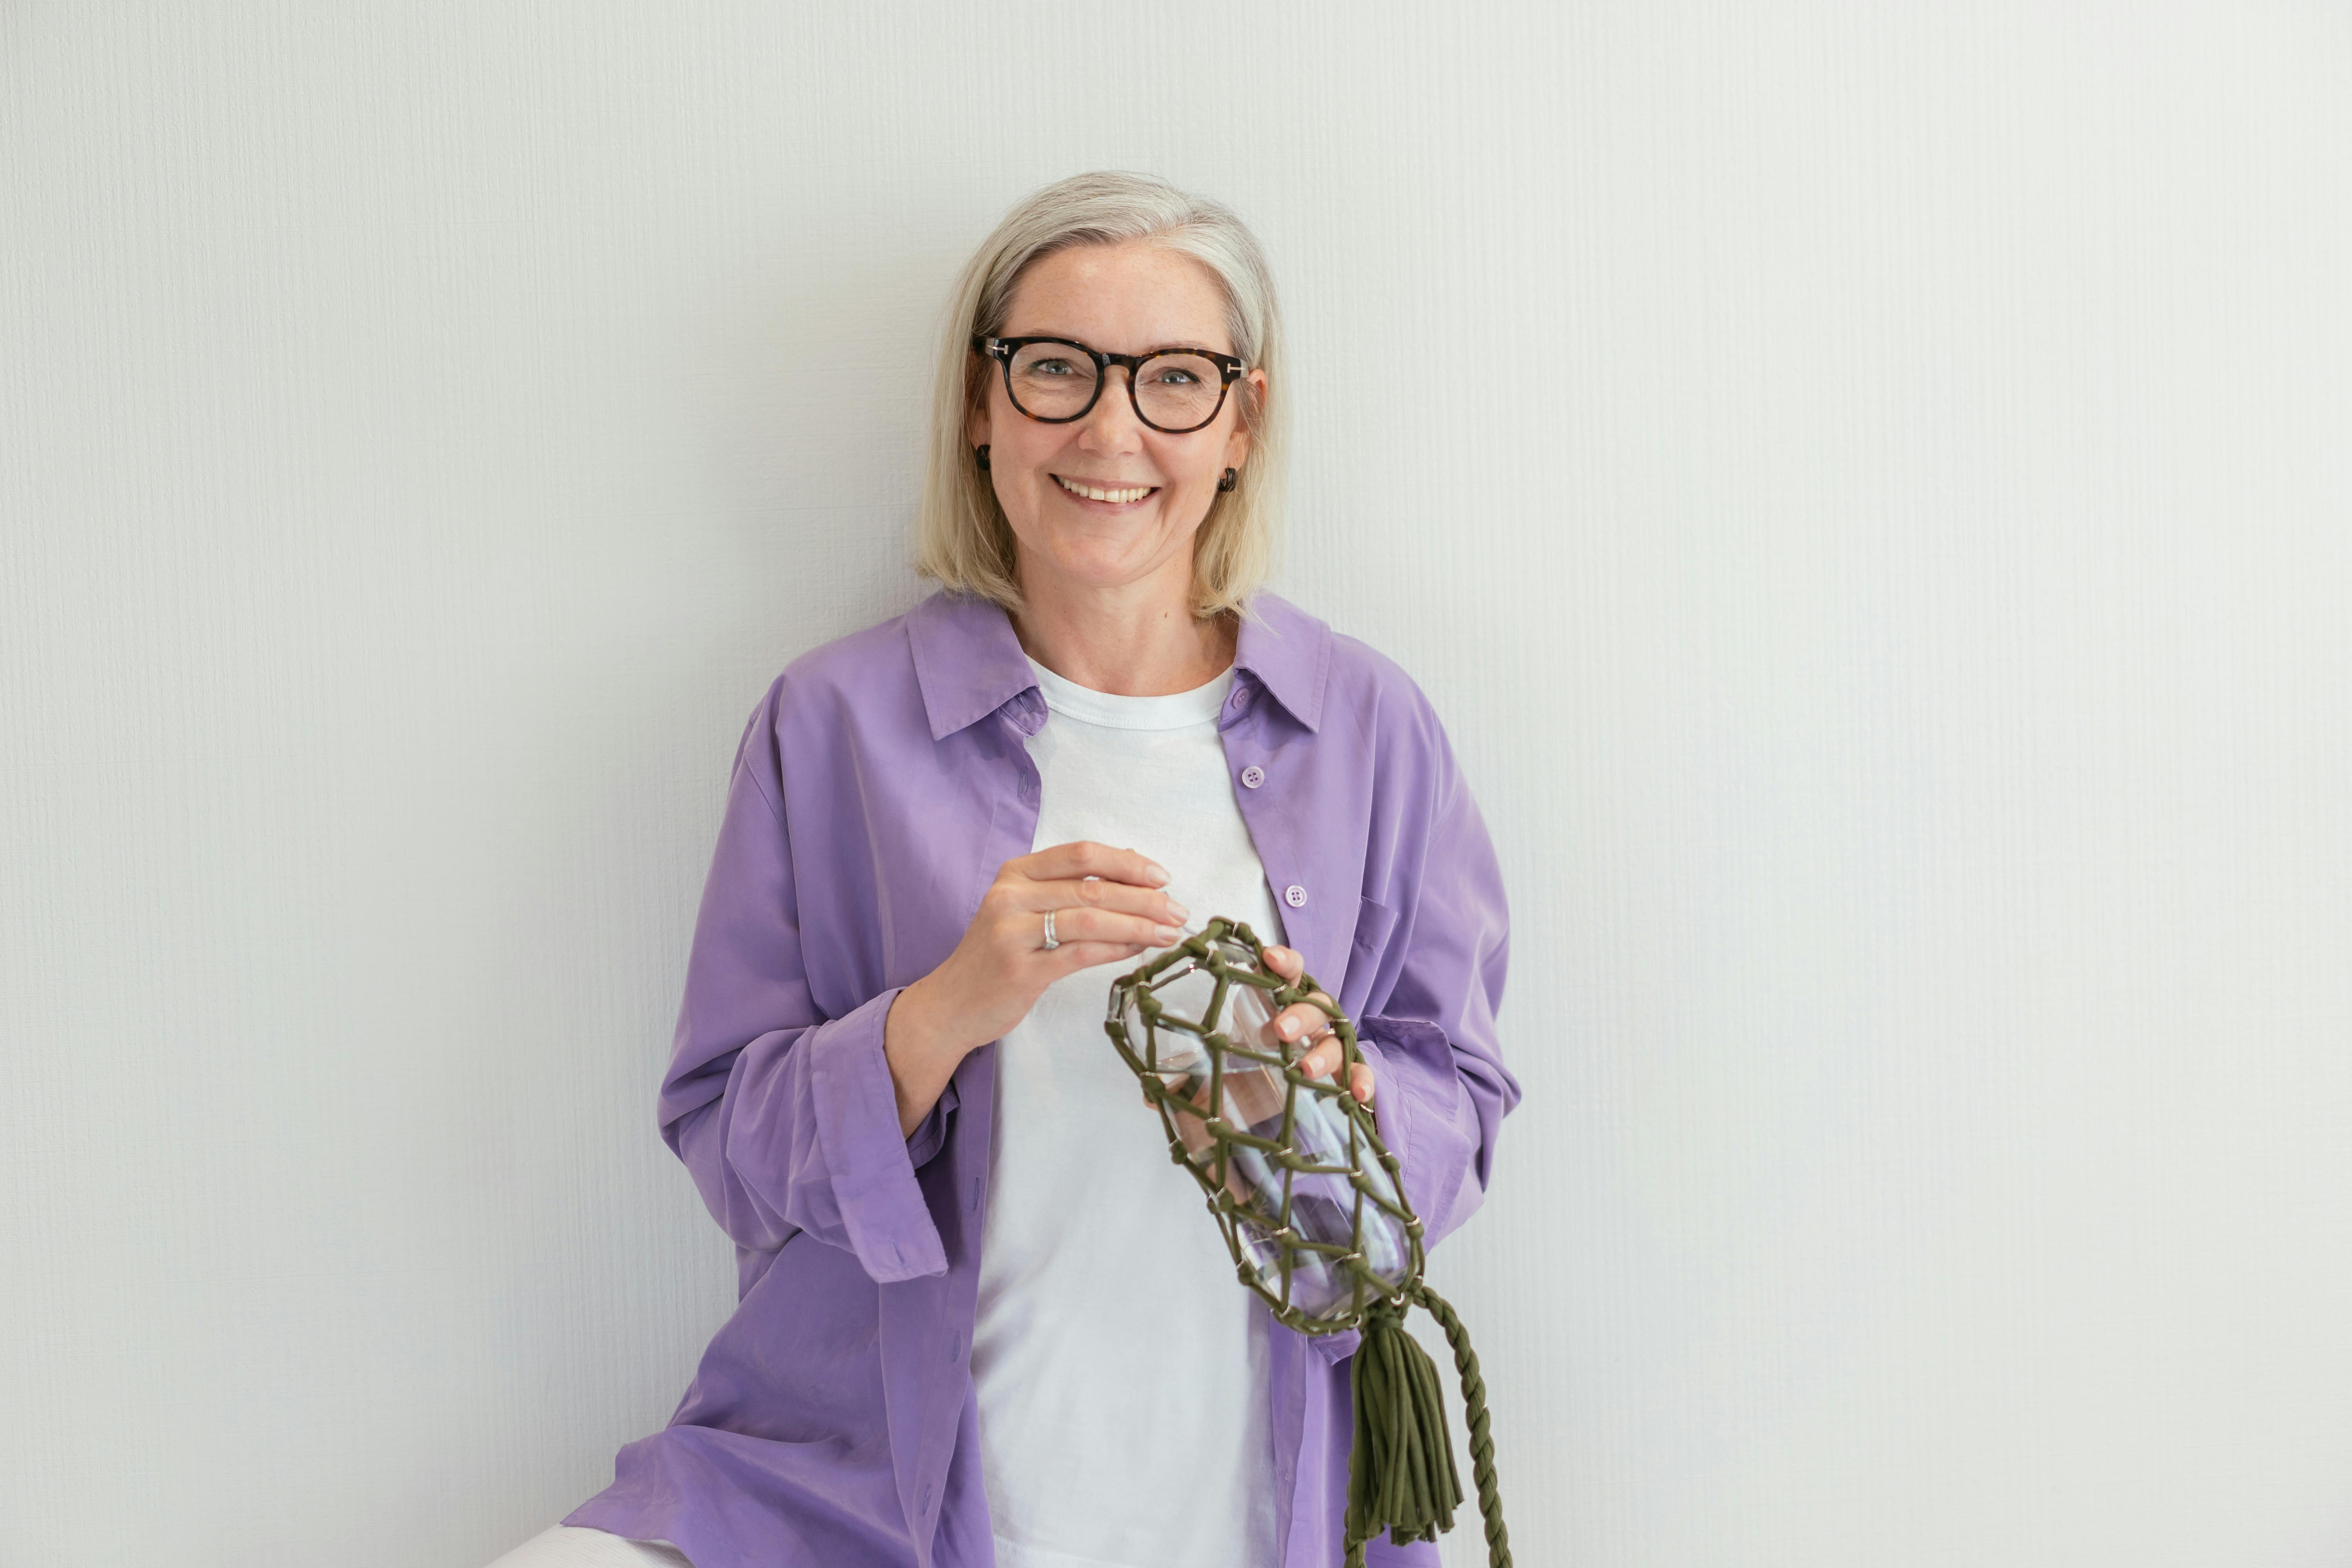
{"points": [[1303, 1020], [1152, 903], [1027, 928], [1323, 1060], [1360, 1082], [1085, 858], [1285, 962]]}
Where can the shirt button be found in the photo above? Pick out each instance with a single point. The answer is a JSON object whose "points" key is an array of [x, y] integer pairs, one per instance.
{"points": [[1252, 777], [1294, 895]]}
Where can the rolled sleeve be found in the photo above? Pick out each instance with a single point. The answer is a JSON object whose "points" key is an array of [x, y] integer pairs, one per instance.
{"points": [[822, 1101], [787, 1119], [1442, 1087], [1423, 1108]]}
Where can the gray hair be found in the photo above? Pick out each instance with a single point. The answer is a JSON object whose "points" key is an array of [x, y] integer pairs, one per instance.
{"points": [[963, 540]]}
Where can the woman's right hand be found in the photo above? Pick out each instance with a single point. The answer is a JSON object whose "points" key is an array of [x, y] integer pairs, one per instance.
{"points": [[1107, 906]]}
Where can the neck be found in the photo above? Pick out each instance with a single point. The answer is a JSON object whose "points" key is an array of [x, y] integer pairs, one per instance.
{"points": [[1137, 639]]}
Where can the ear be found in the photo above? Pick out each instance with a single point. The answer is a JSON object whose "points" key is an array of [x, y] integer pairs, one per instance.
{"points": [[1237, 441]]}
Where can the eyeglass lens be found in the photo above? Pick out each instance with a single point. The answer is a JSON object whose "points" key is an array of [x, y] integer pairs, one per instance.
{"points": [[1175, 391]]}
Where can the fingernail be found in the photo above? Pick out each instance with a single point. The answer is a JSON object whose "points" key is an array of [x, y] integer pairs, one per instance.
{"points": [[1177, 911], [1289, 1027], [1167, 934], [1158, 873]]}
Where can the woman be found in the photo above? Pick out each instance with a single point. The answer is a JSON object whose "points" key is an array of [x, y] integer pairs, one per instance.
{"points": [[981, 1319]]}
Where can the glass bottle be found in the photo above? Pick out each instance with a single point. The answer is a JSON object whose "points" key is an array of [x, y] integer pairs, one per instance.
{"points": [[1330, 1213]]}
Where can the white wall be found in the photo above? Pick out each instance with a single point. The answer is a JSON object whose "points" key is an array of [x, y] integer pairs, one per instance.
{"points": [[1866, 485]]}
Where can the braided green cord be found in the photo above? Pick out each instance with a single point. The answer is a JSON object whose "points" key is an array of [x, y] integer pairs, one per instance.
{"points": [[1474, 1410]]}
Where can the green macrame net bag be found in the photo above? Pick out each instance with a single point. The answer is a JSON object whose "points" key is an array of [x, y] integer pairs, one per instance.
{"points": [[1313, 1208]]}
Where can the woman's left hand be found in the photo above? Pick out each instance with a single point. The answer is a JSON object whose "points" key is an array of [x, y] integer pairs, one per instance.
{"points": [[1306, 1021]]}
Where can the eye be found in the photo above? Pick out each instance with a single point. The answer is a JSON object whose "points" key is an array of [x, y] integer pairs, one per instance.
{"points": [[1175, 375], [1048, 367]]}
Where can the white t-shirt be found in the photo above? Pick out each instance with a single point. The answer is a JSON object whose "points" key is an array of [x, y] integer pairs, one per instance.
{"points": [[1120, 1369]]}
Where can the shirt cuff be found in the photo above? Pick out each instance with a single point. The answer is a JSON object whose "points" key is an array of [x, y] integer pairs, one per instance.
{"points": [[869, 1162], [930, 1135]]}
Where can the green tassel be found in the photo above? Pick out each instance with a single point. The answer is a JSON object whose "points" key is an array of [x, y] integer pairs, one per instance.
{"points": [[1400, 1475]]}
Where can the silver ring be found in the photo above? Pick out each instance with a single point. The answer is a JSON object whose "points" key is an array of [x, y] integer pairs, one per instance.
{"points": [[1052, 942]]}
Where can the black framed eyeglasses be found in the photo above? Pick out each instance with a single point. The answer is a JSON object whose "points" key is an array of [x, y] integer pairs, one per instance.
{"points": [[1056, 380]]}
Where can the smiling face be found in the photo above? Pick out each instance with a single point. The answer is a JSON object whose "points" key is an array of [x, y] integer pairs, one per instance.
{"points": [[1106, 501]]}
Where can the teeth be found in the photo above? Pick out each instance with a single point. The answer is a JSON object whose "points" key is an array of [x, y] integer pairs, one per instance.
{"points": [[1120, 497]]}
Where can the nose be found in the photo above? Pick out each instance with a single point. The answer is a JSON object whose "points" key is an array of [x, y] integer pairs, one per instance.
{"points": [[1112, 421]]}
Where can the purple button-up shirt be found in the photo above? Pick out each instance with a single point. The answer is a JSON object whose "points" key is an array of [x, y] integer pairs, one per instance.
{"points": [[881, 783]]}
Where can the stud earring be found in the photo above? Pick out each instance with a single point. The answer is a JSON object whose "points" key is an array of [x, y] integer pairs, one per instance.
{"points": [[1233, 477], [981, 453]]}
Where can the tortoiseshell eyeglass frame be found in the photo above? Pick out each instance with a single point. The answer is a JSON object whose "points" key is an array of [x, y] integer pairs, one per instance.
{"points": [[1001, 350]]}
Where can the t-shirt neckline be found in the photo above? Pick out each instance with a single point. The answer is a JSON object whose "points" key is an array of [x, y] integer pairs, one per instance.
{"points": [[1175, 710]]}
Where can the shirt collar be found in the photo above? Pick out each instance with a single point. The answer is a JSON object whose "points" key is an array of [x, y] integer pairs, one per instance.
{"points": [[969, 663]]}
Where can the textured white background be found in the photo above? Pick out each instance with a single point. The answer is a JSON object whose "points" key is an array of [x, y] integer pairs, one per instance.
{"points": [[1868, 487]]}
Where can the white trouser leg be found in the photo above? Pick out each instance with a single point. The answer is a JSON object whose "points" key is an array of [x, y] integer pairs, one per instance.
{"points": [[569, 1546]]}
